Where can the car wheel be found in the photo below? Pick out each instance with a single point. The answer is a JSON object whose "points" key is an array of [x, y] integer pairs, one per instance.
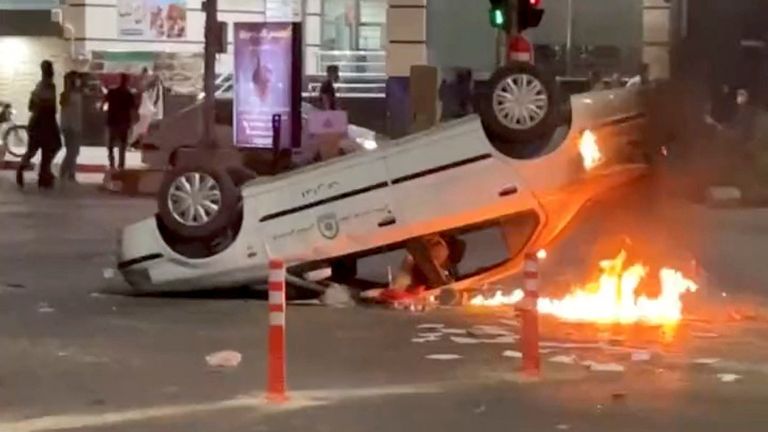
{"points": [[522, 103], [198, 201]]}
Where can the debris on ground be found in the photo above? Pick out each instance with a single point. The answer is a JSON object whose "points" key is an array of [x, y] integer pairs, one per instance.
{"points": [[728, 377], [705, 335], [603, 367], [224, 359], [453, 331], [465, 340], [723, 196], [639, 356], [11, 287], [706, 361], [619, 397], [45, 308], [488, 330], [565, 359], [430, 335], [571, 345], [337, 295], [509, 322], [108, 273], [424, 339], [443, 357], [562, 427], [430, 326], [512, 354]]}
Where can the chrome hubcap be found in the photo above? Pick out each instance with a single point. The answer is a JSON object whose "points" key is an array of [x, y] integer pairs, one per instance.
{"points": [[194, 198], [520, 101]]}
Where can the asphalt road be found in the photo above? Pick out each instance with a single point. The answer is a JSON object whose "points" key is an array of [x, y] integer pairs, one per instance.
{"points": [[74, 358]]}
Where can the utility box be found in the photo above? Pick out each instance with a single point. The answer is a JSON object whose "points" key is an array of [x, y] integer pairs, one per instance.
{"points": [[425, 104]]}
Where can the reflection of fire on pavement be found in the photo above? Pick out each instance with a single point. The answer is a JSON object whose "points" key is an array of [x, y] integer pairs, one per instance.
{"points": [[613, 298]]}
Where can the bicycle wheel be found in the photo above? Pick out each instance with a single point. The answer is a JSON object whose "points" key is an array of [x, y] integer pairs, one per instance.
{"points": [[16, 140]]}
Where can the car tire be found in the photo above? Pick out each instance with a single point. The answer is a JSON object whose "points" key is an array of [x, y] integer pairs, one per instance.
{"points": [[521, 104], [198, 201]]}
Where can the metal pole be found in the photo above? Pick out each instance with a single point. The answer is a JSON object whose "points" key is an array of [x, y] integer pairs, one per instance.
{"points": [[569, 39], [209, 72]]}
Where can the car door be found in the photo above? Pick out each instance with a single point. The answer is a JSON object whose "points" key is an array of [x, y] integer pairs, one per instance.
{"points": [[339, 209]]}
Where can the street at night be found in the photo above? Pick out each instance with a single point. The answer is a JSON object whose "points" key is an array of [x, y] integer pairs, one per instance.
{"points": [[78, 355]]}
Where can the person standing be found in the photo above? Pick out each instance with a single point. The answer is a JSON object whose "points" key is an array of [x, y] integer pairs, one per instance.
{"points": [[71, 124], [121, 105], [43, 129], [328, 89]]}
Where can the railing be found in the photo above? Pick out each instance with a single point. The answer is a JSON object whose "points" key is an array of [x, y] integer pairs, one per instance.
{"points": [[354, 64]]}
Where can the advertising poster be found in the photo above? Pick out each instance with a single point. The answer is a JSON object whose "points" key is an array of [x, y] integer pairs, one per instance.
{"points": [[263, 79], [152, 19]]}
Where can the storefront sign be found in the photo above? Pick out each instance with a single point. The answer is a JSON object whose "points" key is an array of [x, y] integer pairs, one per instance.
{"points": [[264, 72], [152, 19], [283, 10]]}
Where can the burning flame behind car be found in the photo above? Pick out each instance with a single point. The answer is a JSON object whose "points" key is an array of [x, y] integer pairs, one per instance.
{"points": [[612, 298]]}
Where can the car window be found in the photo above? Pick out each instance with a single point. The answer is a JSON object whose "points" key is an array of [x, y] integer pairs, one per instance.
{"points": [[481, 247]]}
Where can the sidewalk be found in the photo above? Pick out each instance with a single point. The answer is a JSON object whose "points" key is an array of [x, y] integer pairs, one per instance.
{"points": [[90, 160]]}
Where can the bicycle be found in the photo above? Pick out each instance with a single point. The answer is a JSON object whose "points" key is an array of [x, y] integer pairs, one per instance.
{"points": [[14, 136]]}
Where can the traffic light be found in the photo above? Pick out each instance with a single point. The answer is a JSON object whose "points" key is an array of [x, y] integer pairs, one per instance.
{"points": [[499, 14], [529, 14]]}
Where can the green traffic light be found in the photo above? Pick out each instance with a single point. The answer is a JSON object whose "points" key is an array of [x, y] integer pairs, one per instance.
{"points": [[497, 18]]}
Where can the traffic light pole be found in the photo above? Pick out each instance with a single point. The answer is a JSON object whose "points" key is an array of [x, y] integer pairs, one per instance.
{"points": [[569, 40], [209, 73]]}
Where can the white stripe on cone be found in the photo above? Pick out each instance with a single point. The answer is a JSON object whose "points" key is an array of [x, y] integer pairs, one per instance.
{"points": [[276, 297], [276, 276], [277, 318]]}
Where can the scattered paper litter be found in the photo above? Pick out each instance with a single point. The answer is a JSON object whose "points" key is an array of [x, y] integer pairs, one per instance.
{"points": [[563, 427], [604, 367], [430, 326], [224, 359], [728, 377], [443, 357], [424, 339], [430, 335], [45, 308], [465, 340], [704, 335], [509, 322], [546, 350], [706, 361], [512, 354], [566, 359], [640, 356], [108, 273], [453, 331], [571, 345]]}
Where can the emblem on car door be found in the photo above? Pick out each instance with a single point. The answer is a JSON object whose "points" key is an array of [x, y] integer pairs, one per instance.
{"points": [[328, 225]]}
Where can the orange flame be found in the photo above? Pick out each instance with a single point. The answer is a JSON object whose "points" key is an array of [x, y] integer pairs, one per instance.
{"points": [[612, 298], [590, 152]]}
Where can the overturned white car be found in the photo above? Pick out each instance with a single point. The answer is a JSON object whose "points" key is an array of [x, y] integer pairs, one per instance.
{"points": [[516, 172]]}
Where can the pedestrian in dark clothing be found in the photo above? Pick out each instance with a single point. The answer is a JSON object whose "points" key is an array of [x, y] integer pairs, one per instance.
{"points": [[71, 124], [121, 105], [327, 89], [43, 129]]}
